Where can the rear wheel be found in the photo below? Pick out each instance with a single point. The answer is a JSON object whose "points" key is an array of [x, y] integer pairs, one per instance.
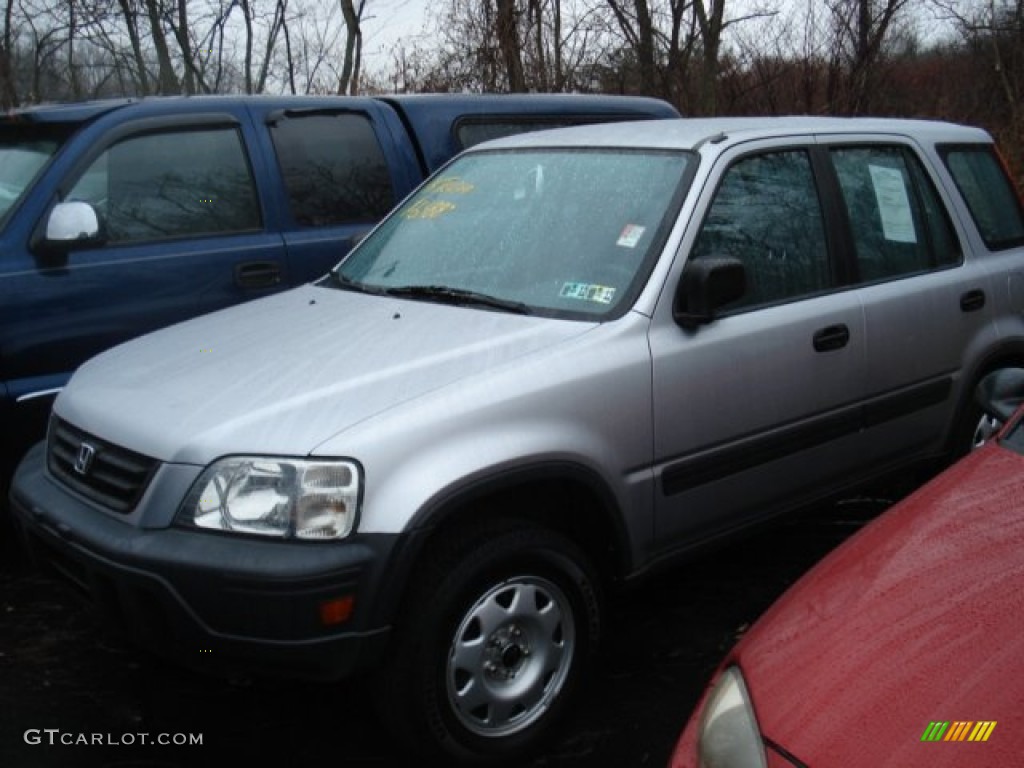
{"points": [[1002, 392], [973, 429], [499, 630], [985, 428]]}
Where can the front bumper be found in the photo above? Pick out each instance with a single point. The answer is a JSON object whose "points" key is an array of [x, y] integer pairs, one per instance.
{"points": [[223, 603]]}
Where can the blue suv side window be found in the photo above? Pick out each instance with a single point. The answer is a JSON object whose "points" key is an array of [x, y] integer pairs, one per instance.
{"points": [[334, 169], [158, 186], [767, 214]]}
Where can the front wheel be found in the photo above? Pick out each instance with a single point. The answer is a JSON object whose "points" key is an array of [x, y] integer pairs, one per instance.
{"points": [[499, 631]]}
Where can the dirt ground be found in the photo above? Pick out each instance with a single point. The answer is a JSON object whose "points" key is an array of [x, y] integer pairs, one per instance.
{"points": [[59, 669]]}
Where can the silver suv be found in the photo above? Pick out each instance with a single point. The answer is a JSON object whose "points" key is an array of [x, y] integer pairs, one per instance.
{"points": [[567, 359]]}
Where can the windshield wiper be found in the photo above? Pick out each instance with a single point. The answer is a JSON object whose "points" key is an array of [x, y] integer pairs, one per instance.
{"points": [[457, 296], [339, 280]]}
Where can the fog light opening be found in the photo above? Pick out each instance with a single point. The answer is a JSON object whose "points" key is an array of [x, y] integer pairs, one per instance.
{"points": [[337, 610]]}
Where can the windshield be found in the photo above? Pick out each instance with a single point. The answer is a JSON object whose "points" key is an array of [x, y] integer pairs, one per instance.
{"points": [[569, 233], [20, 160]]}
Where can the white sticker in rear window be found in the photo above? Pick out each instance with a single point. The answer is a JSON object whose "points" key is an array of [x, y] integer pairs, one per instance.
{"points": [[893, 204]]}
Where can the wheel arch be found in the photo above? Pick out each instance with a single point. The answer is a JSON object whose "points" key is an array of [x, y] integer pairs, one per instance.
{"points": [[1008, 354], [564, 497]]}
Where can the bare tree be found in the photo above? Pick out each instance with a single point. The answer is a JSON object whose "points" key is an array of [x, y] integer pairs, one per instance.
{"points": [[637, 26], [277, 24], [130, 17], [507, 30], [8, 87], [710, 16], [349, 80], [993, 35], [167, 80], [535, 17], [861, 29], [181, 35]]}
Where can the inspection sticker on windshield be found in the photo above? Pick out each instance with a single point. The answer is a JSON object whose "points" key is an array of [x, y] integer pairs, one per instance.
{"points": [[451, 185], [602, 294], [630, 235], [427, 209]]}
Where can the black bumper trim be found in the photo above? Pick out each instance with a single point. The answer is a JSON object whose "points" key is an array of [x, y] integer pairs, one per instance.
{"points": [[218, 602]]}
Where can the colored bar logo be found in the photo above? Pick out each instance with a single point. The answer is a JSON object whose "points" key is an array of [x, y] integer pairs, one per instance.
{"points": [[959, 730]]}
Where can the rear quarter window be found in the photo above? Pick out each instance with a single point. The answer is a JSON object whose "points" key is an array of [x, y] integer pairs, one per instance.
{"points": [[993, 201]]}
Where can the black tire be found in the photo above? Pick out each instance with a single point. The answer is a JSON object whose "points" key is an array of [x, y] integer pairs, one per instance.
{"points": [[494, 642]]}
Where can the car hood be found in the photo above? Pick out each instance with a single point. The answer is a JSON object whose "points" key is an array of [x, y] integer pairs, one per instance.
{"points": [[917, 619], [281, 375]]}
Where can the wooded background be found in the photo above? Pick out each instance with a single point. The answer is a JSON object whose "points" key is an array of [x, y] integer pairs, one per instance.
{"points": [[960, 60]]}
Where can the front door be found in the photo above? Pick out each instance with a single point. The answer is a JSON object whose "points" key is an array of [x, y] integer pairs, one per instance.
{"points": [[762, 404]]}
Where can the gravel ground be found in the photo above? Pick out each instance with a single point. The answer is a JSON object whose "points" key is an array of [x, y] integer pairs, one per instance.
{"points": [[59, 669]]}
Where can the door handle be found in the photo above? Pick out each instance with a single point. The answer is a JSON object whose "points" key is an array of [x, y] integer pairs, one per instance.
{"points": [[257, 274], [972, 301], [833, 337]]}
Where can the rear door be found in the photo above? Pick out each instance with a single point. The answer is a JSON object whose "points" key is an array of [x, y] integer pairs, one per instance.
{"points": [[340, 171], [923, 301]]}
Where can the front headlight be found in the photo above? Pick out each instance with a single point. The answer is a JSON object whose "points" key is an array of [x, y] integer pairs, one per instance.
{"points": [[266, 496], [729, 736]]}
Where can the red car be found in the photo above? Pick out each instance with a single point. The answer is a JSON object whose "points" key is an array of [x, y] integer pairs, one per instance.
{"points": [[903, 648]]}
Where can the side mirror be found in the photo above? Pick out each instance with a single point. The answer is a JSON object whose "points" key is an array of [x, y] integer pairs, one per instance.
{"points": [[707, 285], [72, 222], [1001, 393]]}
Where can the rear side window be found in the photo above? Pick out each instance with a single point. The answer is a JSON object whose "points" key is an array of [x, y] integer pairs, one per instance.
{"points": [[899, 224], [990, 196], [334, 169], [176, 184], [471, 132], [767, 214]]}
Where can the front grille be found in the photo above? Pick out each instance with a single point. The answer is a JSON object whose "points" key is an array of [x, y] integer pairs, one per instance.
{"points": [[106, 473]]}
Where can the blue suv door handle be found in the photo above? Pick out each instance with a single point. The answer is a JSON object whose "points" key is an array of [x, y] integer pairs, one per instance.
{"points": [[257, 274]]}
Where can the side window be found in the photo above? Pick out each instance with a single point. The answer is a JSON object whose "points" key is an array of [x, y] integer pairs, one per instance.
{"points": [[766, 213], [334, 169], [899, 224], [176, 184], [989, 193], [475, 131]]}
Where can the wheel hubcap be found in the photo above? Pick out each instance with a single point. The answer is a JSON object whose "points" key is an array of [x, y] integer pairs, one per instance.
{"points": [[984, 431], [506, 653], [510, 656]]}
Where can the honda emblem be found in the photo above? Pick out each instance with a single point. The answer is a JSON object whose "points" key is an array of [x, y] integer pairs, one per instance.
{"points": [[86, 454]]}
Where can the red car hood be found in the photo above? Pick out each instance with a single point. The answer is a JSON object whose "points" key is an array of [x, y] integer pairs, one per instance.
{"points": [[917, 619]]}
